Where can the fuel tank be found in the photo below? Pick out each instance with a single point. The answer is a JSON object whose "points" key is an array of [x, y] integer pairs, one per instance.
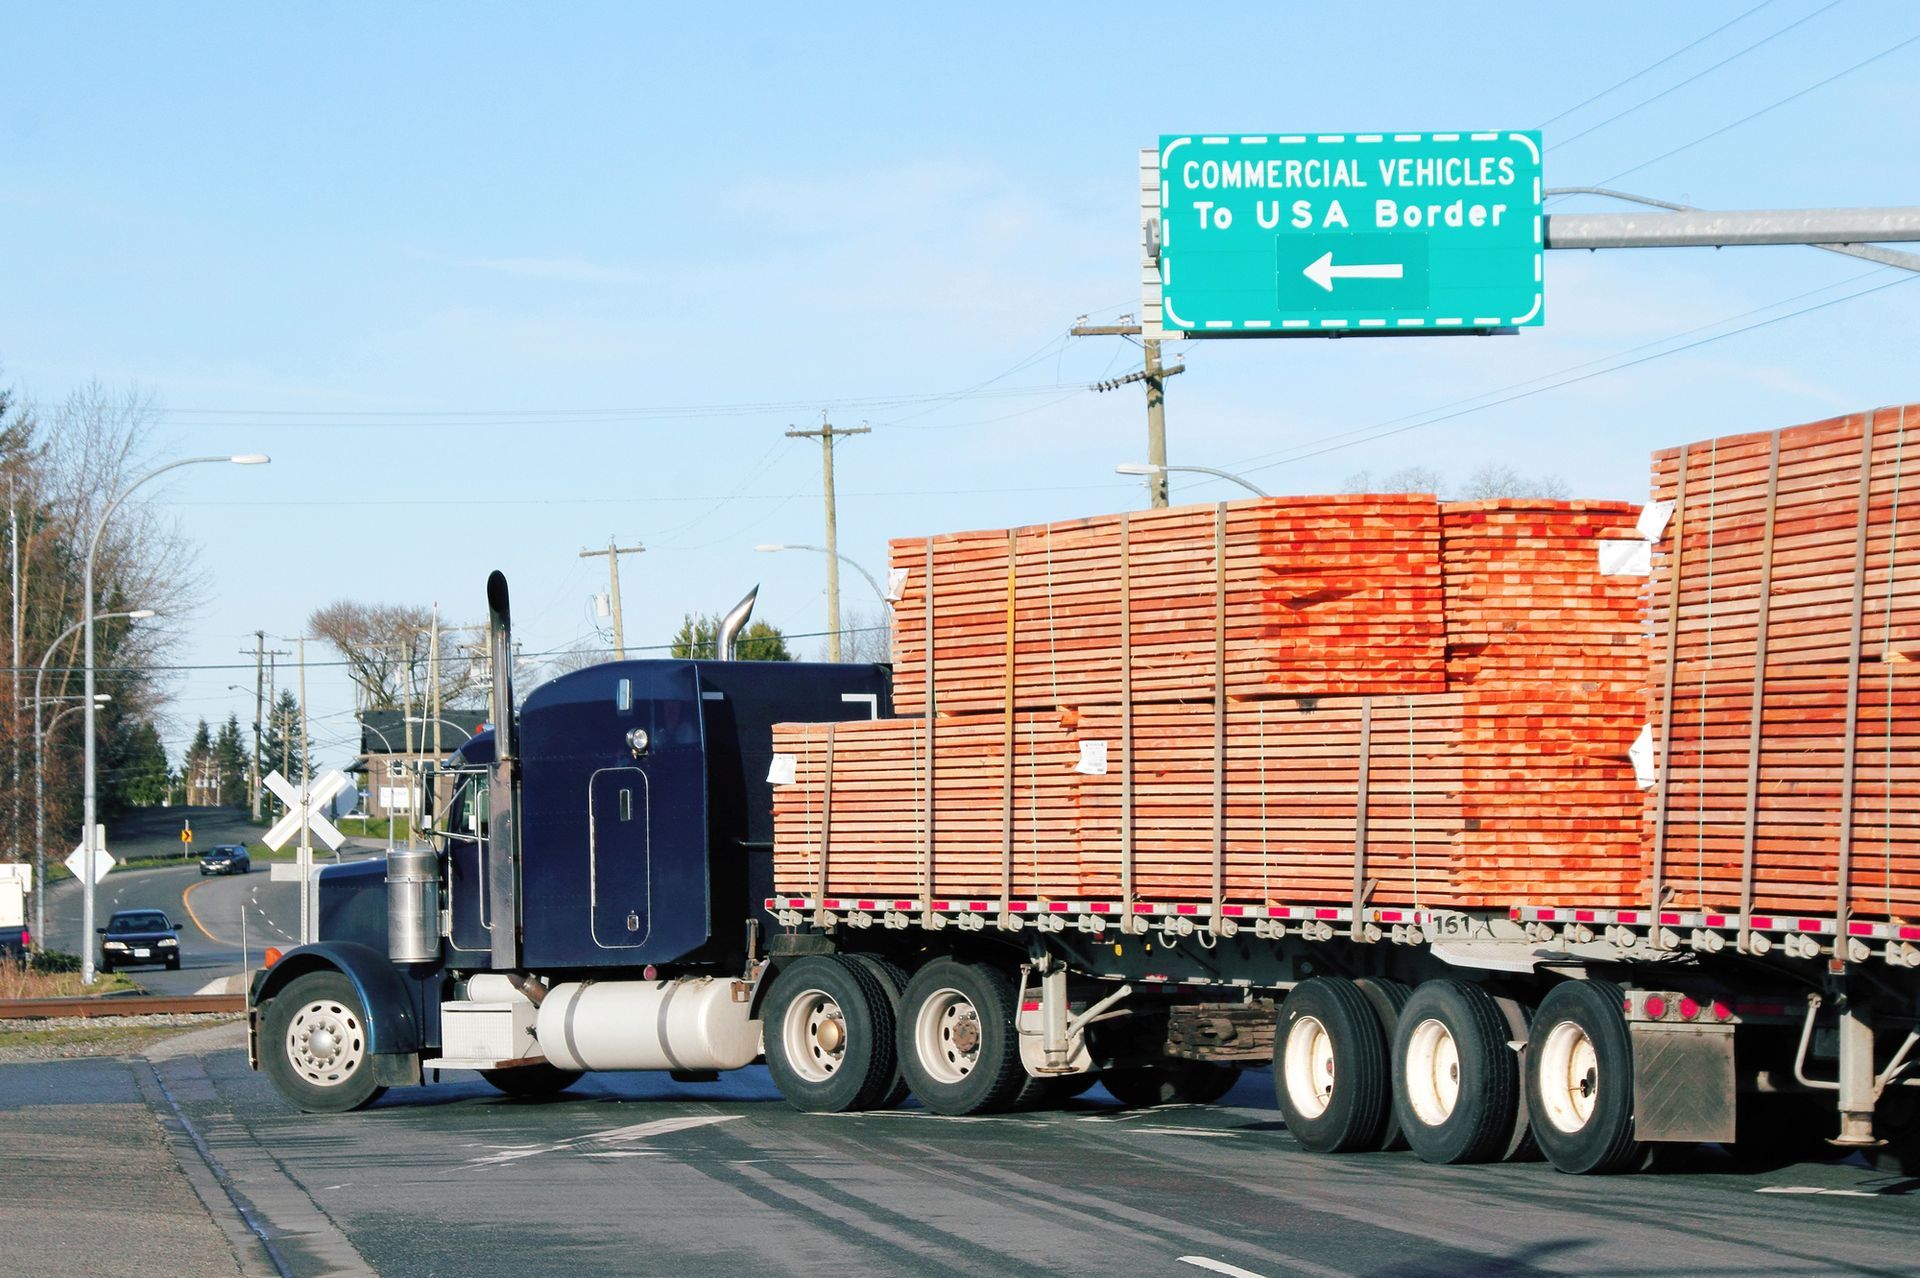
{"points": [[697, 1023]]}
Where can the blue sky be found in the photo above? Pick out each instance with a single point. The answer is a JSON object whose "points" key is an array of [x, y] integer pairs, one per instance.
{"points": [[492, 282]]}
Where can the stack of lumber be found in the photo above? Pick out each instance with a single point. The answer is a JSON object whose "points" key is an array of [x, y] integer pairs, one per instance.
{"points": [[1795, 554], [870, 825], [1295, 774], [1322, 596], [1548, 652]]}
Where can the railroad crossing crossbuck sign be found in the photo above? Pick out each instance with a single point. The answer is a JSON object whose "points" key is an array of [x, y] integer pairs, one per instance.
{"points": [[306, 805], [1329, 233]]}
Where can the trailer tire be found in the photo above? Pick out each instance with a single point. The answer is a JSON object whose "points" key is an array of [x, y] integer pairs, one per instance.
{"points": [[1052, 1091], [1456, 1084], [1330, 1071], [1171, 1082], [893, 979], [1897, 1121], [1387, 998], [1580, 1079], [956, 1039], [530, 1081], [314, 1045], [829, 1035]]}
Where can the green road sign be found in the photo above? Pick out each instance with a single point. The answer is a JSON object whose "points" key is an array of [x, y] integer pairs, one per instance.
{"points": [[1288, 234]]}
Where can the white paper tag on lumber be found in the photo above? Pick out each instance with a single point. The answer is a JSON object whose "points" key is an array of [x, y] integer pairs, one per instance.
{"points": [[1653, 519], [1093, 759], [1641, 753], [1626, 558], [896, 584], [781, 770]]}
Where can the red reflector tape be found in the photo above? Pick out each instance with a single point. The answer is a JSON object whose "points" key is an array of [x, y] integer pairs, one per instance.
{"points": [[1186, 909], [1586, 916], [1860, 929]]}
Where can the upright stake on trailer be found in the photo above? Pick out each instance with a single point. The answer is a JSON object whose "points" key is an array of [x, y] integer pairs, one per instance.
{"points": [[1006, 741], [1849, 766], [826, 435]]}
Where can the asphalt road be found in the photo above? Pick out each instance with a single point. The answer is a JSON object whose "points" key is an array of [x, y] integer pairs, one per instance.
{"points": [[635, 1174], [216, 914]]}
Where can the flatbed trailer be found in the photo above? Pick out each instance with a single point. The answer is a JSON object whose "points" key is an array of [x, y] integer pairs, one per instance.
{"points": [[600, 897]]}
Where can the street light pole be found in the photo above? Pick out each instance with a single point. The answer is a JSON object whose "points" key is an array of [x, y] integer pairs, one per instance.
{"points": [[40, 769], [771, 547], [90, 804], [1156, 473]]}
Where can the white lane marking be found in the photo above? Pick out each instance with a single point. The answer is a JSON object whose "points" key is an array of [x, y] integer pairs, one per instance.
{"points": [[1815, 1189], [1219, 1267], [614, 1136], [1187, 1131], [627, 1153]]}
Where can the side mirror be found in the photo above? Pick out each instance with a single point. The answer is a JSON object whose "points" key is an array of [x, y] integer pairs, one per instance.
{"points": [[101, 931], [174, 924]]}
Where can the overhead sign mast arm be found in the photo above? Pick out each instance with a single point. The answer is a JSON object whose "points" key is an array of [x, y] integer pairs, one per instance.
{"points": [[1853, 232]]}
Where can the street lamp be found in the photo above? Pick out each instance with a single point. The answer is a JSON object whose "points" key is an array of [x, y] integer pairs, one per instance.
{"points": [[425, 720], [1150, 469], [90, 805], [40, 769], [771, 547]]}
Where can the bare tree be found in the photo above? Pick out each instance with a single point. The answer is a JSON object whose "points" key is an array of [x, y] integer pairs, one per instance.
{"points": [[1407, 479], [867, 637], [1496, 479]]}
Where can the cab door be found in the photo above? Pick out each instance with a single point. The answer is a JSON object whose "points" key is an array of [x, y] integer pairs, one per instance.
{"points": [[620, 858]]}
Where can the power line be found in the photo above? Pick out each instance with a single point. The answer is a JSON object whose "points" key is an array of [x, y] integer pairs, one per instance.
{"points": [[1621, 84], [1821, 84], [1565, 368], [1527, 394], [1732, 57]]}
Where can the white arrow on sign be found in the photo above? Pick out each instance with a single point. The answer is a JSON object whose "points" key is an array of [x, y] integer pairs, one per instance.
{"points": [[1323, 272], [306, 805]]}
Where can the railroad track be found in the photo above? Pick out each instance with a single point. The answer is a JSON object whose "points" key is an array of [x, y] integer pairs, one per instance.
{"points": [[20, 1009]]}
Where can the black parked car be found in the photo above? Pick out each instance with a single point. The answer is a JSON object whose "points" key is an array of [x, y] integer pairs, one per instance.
{"points": [[226, 858], [136, 937]]}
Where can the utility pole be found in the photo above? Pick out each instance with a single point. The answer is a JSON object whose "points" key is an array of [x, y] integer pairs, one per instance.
{"points": [[826, 435], [259, 693], [306, 782], [1154, 375], [433, 680], [613, 553]]}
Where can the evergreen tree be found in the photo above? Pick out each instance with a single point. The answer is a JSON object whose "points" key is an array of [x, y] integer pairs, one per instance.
{"points": [[280, 739], [699, 637], [146, 778], [198, 765], [231, 764]]}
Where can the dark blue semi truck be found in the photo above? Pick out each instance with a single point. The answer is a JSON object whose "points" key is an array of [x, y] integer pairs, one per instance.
{"points": [[599, 896]]}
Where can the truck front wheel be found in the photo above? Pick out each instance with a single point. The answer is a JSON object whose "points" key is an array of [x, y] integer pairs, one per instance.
{"points": [[1172, 1082], [314, 1045], [829, 1035], [956, 1038], [539, 1079], [1580, 1078]]}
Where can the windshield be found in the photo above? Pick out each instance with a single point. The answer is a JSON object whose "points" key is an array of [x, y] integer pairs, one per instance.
{"points": [[144, 922]]}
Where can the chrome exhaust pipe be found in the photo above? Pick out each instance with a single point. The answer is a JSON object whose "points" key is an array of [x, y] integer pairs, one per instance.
{"points": [[733, 623]]}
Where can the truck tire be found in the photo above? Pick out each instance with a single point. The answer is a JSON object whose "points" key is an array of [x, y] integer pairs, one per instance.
{"points": [[956, 1038], [1052, 1091], [1387, 998], [1456, 1084], [1896, 1121], [1172, 1082], [1330, 1070], [313, 1044], [829, 1035], [893, 979], [1580, 1079], [542, 1079]]}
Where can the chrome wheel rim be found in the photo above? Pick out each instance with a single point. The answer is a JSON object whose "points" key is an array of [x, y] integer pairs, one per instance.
{"points": [[1433, 1072], [946, 1036], [1308, 1067], [814, 1033], [1569, 1077], [326, 1043]]}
